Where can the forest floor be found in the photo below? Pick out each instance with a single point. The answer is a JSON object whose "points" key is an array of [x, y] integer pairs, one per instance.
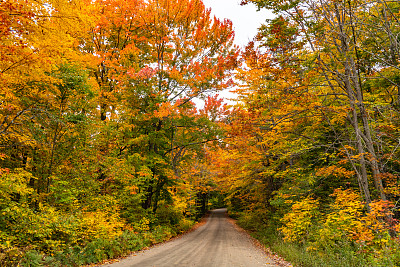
{"points": [[218, 242]]}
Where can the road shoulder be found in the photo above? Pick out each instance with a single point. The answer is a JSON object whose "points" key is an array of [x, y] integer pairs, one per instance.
{"points": [[273, 256]]}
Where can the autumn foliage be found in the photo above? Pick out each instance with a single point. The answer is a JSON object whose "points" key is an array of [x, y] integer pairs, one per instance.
{"points": [[101, 144], [312, 143], [105, 149]]}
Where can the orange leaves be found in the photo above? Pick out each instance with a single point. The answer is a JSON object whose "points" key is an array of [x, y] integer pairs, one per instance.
{"points": [[164, 110], [392, 185], [335, 171], [345, 220], [170, 48], [176, 109], [133, 190], [349, 220]]}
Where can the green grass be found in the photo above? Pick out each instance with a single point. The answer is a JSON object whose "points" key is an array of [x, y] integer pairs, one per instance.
{"points": [[298, 255], [342, 255]]}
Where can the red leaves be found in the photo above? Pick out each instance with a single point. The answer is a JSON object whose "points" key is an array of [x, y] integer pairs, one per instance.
{"points": [[214, 108], [144, 73]]}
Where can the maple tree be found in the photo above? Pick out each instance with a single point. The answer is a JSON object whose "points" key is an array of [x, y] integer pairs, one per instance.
{"points": [[104, 151], [98, 123], [154, 60]]}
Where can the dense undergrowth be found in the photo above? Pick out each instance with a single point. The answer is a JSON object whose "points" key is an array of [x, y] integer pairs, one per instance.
{"points": [[103, 151], [52, 239], [315, 251]]}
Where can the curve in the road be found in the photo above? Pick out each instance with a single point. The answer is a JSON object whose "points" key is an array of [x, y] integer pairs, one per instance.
{"points": [[215, 244]]}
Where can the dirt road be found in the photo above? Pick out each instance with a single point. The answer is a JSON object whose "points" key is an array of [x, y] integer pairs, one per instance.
{"points": [[215, 244]]}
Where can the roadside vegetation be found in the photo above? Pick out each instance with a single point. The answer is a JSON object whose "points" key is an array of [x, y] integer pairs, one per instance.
{"points": [[101, 145], [103, 150], [311, 159]]}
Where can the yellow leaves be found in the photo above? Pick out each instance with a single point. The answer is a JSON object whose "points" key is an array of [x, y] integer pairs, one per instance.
{"points": [[343, 220], [139, 141], [15, 182], [144, 225], [92, 83], [339, 115], [98, 224], [346, 219], [298, 221], [347, 201]]}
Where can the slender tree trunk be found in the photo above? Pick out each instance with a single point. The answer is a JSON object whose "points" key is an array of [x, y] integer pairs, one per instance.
{"points": [[362, 176]]}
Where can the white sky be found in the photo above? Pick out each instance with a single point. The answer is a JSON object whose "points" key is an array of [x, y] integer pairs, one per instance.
{"points": [[246, 19]]}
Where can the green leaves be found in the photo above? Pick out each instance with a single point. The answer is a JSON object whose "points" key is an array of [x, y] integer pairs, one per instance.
{"points": [[98, 128]]}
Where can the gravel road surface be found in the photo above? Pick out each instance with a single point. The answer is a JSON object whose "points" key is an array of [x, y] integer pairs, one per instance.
{"points": [[217, 243]]}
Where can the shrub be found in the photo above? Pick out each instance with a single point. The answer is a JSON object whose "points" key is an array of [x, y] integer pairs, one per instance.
{"points": [[299, 221]]}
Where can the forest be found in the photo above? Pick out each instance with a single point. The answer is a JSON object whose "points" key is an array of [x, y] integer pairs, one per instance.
{"points": [[105, 149]]}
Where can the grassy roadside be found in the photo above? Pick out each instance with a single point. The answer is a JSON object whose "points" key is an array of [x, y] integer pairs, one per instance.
{"points": [[298, 255]]}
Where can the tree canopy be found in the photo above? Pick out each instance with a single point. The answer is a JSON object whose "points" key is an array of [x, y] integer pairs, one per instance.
{"points": [[103, 149]]}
